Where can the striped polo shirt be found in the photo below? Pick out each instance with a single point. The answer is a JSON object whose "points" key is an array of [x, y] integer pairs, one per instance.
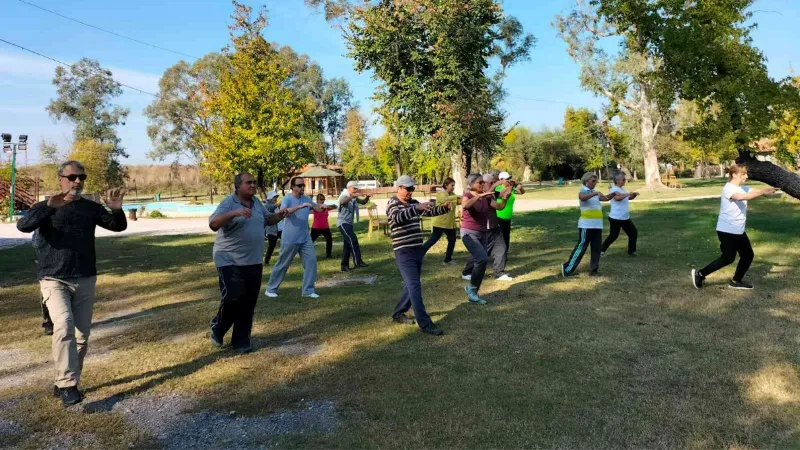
{"points": [[591, 211], [404, 222]]}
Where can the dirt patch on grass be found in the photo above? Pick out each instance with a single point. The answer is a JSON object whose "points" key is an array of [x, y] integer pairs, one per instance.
{"points": [[173, 424], [302, 346], [363, 280]]}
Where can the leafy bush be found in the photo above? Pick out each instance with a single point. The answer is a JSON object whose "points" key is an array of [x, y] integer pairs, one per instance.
{"points": [[156, 214]]}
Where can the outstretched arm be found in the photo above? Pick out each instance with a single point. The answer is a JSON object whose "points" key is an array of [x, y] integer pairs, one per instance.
{"points": [[754, 194]]}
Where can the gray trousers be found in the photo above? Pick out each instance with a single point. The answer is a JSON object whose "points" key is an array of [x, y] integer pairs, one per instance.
{"points": [[308, 256]]}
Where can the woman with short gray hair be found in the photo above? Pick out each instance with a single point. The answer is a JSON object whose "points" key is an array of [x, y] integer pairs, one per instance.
{"points": [[620, 215], [475, 210], [590, 226]]}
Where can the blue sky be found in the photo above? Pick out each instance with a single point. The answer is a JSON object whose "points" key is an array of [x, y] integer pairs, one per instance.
{"points": [[539, 90]]}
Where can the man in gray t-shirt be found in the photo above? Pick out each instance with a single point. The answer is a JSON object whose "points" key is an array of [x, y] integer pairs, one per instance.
{"points": [[348, 211], [295, 239], [239, 221]]}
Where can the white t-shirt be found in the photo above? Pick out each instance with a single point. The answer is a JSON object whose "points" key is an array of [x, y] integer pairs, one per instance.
{"points": [[591, 211], [732, 213], [620, 209]]}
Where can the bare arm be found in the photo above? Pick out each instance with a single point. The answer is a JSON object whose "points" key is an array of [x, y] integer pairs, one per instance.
{"points": [[753, 194], [470, 202], [586, 196], [220, 220]]}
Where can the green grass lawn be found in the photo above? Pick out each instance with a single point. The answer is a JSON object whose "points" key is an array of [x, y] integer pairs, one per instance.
{"points": [[636, 358], [692, 188]]}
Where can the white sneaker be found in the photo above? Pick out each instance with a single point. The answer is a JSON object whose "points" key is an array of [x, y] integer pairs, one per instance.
{"points": [[466, 277], [504, 277], [270, 294], [311, 295]]}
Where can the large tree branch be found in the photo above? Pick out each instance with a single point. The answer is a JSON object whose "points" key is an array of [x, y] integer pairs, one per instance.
{"points": [[774, 175], [626, 103]]}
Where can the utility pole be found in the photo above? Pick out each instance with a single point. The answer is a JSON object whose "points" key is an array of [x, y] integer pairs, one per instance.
{"points": [[13, 147]]}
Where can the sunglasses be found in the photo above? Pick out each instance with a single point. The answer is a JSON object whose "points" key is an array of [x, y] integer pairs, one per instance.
{"points": [[74, 177], [409, 189], [300, 185]]}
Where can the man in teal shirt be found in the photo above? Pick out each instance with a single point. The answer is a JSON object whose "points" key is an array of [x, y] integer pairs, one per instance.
{"points": [[504, 215]]}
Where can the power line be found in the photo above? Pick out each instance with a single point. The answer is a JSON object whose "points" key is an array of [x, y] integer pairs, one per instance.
{"points": [[71, 65], [108, 31]]}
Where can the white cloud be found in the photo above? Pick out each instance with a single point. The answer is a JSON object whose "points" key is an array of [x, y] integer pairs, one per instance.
{"points": [[32, 67]]}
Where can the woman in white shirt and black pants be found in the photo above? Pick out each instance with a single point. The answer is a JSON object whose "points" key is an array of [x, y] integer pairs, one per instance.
{"points": [[731, 229], [620, 215]]}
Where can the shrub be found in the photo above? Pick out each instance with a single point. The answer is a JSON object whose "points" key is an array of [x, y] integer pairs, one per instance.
{"points": [[156, 214]]}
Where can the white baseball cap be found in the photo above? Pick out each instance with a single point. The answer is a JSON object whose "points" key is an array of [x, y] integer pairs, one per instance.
{"points": [[504, 176], [271, 195], [352, 184]]}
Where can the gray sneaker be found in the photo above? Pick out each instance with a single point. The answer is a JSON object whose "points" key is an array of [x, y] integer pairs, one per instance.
{"points": [[472, 295]]}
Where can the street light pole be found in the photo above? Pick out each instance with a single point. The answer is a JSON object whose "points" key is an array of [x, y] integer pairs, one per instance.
{"points": [[12, 147]]}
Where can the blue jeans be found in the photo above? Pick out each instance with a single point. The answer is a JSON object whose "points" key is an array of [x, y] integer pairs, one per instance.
{"points": [[409, 261]]}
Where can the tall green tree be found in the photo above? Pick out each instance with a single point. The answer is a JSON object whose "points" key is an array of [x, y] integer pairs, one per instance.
{"points": [[627, 79], [337, 99], [432, 58], [355, 162], [85, 93], [708, 57], [175, 115], [586, 137], [257, 122]]}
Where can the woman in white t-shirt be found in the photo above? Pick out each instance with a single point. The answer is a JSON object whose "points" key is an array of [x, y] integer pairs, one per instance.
{"points": [[730, 229], [620, 215]]}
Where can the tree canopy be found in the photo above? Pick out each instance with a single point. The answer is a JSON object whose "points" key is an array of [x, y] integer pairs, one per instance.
{"points": [[84, 97]]}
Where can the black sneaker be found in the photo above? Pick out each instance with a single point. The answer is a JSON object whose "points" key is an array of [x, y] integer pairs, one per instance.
{"points": [[739, 285], [48, 329], [215, 341], [70, 396], [243, 349], [362, 264], [594, 274], [697, 279], [56, 391], [404, 319], [433, 329], [346, 269]]}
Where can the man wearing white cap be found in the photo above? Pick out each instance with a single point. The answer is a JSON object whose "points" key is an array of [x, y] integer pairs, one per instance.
{"points": [[403, 213], [504, 215], [348, 213]]}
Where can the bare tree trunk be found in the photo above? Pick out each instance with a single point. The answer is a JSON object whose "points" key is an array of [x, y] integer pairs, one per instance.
{"points": [[526, 174], [652, 175], [458, 165]]}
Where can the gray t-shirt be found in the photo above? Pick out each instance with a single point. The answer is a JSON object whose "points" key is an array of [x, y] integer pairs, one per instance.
{"points": [[241, 241], [347, 212], [295, 226]]}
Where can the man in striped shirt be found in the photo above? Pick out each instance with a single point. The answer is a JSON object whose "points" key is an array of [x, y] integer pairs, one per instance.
{"points": [[403, 213]]}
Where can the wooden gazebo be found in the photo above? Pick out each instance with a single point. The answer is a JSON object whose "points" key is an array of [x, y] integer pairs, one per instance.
{"points": [[320, 180]]}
